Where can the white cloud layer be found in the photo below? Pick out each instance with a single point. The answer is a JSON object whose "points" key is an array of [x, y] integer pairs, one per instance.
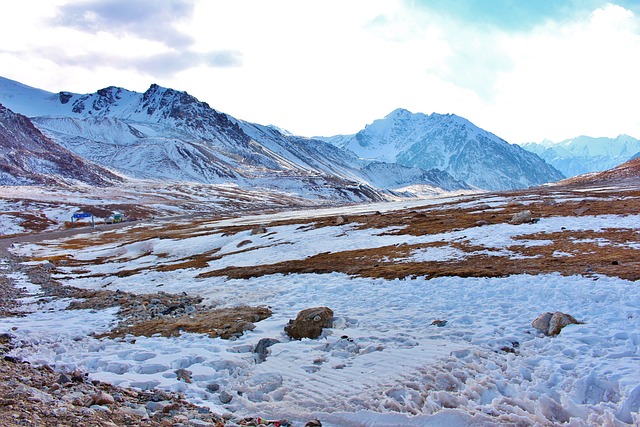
{"points": [[321, 68]]}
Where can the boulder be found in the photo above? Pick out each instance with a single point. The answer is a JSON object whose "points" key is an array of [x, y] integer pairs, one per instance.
{"points": [[551, 324], [309, 323], [523, 217]]}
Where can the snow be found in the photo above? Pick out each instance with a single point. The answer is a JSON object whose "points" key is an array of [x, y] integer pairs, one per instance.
{"points": [[384, 362]]}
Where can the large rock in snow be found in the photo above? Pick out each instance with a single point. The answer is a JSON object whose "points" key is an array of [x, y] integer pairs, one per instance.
{"points": [[551, 324], [310, 322]]}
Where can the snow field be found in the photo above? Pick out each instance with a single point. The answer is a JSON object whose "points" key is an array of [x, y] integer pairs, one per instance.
{"points": [[393, 359], [384, 362]]}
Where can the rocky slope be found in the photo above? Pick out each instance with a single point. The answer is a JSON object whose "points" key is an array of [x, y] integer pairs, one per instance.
{"points": [[28, 157], [451, 144]]}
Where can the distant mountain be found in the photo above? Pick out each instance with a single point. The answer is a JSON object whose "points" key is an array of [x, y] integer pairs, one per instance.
{"points": [[170, 135], [27, 157], [585, 154], [451, 144]]}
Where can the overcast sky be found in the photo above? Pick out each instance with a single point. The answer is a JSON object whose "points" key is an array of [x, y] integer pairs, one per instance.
{"points": [[523, 69]]}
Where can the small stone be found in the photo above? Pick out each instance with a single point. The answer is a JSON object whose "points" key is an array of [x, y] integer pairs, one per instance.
{"points": [[63, 379], [581, 210], [439, 323], [481, 223], [313, 423], [262, 348], [341, 220], [103, 398], [184, 375], [212, 388], [171, 407], [225, 397], [259, 230]]}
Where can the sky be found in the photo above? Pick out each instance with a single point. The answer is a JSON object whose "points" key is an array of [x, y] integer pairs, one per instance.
{"points": [[526, 70]]}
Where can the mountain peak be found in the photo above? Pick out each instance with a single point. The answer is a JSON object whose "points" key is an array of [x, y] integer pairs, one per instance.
{"points": [[399, 113]]}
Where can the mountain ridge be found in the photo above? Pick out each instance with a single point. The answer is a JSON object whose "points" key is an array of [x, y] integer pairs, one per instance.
{"points": [[450, 143], [585, 154]]}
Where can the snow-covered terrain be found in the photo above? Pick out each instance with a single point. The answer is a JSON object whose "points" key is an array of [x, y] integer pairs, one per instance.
{"points": [[384, 362], [451, 144], [585, 154]]}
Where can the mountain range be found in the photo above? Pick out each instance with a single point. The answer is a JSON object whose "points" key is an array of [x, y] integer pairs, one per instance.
{"points": [[164, 134], [450, 143], [586, 154]]}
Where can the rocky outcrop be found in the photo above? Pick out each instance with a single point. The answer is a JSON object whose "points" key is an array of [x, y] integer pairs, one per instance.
{"points": [[309, 323], [551, 324]]}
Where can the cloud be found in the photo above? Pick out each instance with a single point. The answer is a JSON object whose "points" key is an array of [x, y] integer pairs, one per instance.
{"points": [[160, 65], [148, 19]]}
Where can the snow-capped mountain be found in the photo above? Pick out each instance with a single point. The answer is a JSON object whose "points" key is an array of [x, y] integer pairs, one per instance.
{"points": [[170, 135], [449, 143], [28, 157], [585, 154]]}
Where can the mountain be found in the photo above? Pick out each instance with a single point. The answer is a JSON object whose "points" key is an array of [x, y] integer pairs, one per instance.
{"points": [[170, 135], [628, 172], [27, 157], [451, 144], [586, 154]]}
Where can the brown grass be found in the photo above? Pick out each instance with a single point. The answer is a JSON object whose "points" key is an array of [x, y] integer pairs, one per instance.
{"points": [[223, 323]]}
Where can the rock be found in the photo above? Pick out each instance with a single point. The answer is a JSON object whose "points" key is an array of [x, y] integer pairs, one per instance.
{"points": [[341, 220], [551, 324], [481, 223], [63, 379], [581, 210], [183, 374], [212, 388], [310, 322], [171, 407], [103, 398], [262, 348], [523, 217], [261, 229], [439, 323], [225, 397], [313, 423]]}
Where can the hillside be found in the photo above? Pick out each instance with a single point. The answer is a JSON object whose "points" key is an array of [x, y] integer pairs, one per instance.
{"points": [[27, 157]]}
